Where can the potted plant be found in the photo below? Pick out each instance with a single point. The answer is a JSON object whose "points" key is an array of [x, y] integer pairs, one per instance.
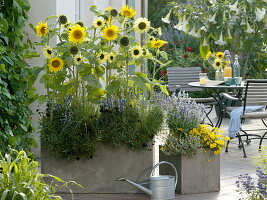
{"points": [[100, 119], [192, 147]]}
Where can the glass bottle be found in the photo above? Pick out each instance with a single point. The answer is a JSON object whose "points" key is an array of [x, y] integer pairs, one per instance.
{"points": [[228, 68], [236, 72], [236, 67]]}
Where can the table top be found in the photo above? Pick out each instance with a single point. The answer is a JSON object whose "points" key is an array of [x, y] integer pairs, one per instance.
{"points": [[216, 85]]}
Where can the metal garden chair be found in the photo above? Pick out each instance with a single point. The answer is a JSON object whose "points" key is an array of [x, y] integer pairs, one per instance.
{"points": [[255, 93]]}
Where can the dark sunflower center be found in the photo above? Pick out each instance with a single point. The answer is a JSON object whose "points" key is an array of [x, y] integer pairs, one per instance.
{"points": [[49, 51], [81, 24], [43, 29], [102, 56], [110, 32], [78, 59], [157, 44], [124, 41], [218, 63], [136, 52], [99, 23], [55, 63], [111, 57], [74, 50], [142, 25], [77, 34], [62, 19], [127, 13], [114, 12]]}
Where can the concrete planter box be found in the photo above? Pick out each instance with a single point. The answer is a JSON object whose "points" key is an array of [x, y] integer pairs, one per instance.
{"points": [[98, 174], [195, 175]]}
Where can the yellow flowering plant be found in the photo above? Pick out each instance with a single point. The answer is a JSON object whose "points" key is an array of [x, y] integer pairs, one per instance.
{"points": [[211, 138], [86, 57], [91, 79], [217, 60]]}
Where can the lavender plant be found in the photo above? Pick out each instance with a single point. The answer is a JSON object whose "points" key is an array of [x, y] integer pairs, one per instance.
{"points": [[253, 188], [183, 112]]}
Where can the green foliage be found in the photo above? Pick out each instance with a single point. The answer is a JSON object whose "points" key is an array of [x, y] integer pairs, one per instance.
{"points": [[16, 77], [239, 26], [181, 143], [20, 179], [261, 160], [70, 133], [132, 127], [74, 132]]}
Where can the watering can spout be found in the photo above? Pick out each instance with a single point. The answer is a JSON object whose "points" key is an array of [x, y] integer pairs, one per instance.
{"points": [[147, 191]]}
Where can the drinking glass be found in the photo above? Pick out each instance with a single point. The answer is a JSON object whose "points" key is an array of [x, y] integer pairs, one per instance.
{"points": [[238, 81], [203, 78]]}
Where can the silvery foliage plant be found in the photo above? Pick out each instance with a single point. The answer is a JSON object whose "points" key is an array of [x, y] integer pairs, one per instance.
{"points": [[183, 112]]}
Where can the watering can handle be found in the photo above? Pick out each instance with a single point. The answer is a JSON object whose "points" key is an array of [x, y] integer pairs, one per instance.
{"points": [[165, 162]]}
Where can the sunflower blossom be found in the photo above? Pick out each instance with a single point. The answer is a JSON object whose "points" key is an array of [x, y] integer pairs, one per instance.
{"points": [[136, 51], [111, 32], [77, 34], [141, 25], [48, 52], [41, 29], [55, 64], [127, 12], [156, 44]]}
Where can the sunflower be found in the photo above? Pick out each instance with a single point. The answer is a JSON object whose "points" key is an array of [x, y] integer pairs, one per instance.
{"points": [[217, 64], [127, 12], [136, 51], [74, 50], [78, 59], [62, 19], [151, 38], [111, 57], [102, 57], [111, 32], [146, 53], [141, 25], [124, 41], [41, 29], [48, 52], [77, 34], [219, 55], [156, 44], [98, 23], [80, 23], [113, 12], [55, 64]]}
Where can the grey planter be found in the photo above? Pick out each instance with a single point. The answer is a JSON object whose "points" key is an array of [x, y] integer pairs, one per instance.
{"points": [[98, 174], [195, 175]]}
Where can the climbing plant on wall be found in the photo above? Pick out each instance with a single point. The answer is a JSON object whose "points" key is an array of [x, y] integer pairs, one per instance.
{"points": [[16, 77]]}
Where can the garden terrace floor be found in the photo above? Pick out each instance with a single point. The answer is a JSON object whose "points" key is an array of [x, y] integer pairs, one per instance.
{"points": [[232, 165]]}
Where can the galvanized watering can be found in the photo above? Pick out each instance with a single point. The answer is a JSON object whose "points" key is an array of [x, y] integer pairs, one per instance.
{"points": [[160, 187]]}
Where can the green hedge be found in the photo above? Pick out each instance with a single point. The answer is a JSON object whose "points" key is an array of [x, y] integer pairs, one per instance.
{"points": [[16, 77]]}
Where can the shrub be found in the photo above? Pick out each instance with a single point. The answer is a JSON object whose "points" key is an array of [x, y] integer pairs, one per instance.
{"points": [[131, 126], [20, 179], [70, 134]]}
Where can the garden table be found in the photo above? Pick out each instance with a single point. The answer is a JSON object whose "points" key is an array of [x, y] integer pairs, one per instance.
{"points": [[217, 87]]}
